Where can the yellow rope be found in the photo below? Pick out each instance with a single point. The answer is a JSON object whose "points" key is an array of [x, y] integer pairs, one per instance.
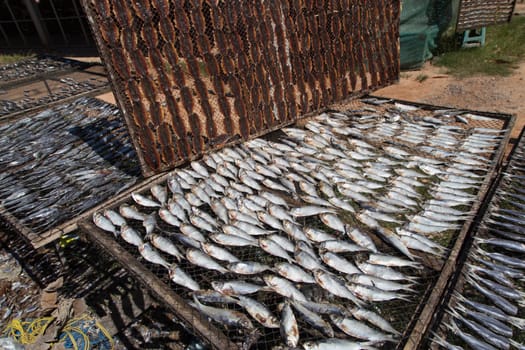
{"points": [[27, 332]]}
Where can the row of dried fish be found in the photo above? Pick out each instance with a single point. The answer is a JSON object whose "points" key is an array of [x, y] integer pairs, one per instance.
{"points": [[69, 88], [299, 219], [35, 66], [488, 312], [63, 161]]}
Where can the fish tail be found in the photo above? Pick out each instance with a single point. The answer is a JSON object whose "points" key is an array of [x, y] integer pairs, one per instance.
{"points": [[517, 322]]}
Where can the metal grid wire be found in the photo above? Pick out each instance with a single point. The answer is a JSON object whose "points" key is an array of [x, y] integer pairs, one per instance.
{"points": [[474, 14], [506, 196], [63, 161], [191, 76], [46, 91], [401, 314]]}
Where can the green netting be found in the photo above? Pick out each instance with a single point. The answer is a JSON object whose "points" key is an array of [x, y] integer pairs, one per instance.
{"points": [[422, 22]]}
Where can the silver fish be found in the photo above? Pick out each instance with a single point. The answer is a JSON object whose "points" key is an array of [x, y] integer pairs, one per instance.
{"points": [[289, 327], [283, 287], [115, 218], [359, 330], [339, 264], [373, 294], [168, 217], [318, 236], [294, 273], [333, 222], [149, 223], [131, 212], [247, 267], [165, 245], [130, 235], [335, 286], [199, 258], [270, 220], [192, 232], [151, 255], [336, 344], [310, 210], [340, 246], [104, 223], [178, 276], [218, 253], [375, 319], [258, 311], [274, 249], [144, 201], [361, 239], [224, 316], [232, 240], [284, 242], [236, 287], [159, 193], [313, 319]]}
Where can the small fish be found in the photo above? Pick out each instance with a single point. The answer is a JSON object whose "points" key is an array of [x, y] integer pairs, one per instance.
{"points": [[236, 287], [383, 284], [336, 344], [199, 258], [258, 311], [178, 276], [130, 235], [232, 240], [310, 210], [340, 246], [359, 330], [270, 220], [333, 222], [339, 264], [144, 201], [149, 223], [247, 267], [335, 286], [218, 253], [151, 255], [361, 239], [165, 245], [159, 193], [115, 218], [294, 273], [289, 327], [274, 249], [313, 319], [131, 212], [224, 316], [104, 223], [283, 287], [373, 294]]}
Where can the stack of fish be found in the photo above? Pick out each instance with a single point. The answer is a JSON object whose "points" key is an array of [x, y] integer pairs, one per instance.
{"points": [[35, 66], [487, 312], [63, 161], [302, 219], [69, 87]]}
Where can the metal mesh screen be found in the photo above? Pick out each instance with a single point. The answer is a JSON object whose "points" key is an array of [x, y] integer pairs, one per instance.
{"points": [[475, 14], [192, 76]]}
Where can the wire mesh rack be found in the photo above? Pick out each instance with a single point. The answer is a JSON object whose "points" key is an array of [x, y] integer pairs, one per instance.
{"points": [[407, 315], [41, 91], [463, 299], [236, 70], [60, 163], [37, 67], [475, 14]]}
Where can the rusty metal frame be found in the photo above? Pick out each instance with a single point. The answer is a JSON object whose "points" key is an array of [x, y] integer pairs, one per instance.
{"points": [[474, 14], [192, 76]]}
